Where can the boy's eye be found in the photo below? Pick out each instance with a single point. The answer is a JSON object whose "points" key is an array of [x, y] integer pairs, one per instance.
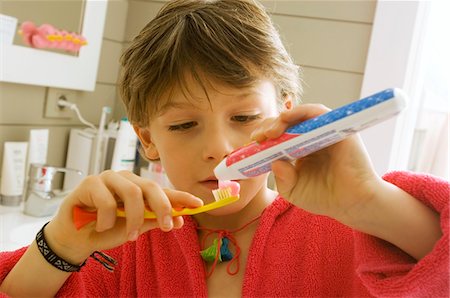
{"points": [[245, 118], [182, 126]]}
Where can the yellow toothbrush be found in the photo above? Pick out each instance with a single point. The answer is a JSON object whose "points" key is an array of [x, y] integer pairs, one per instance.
{"points": [[223, 196]]}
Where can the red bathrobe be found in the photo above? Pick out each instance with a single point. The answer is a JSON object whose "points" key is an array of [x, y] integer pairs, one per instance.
{"points": [[293, 253]]}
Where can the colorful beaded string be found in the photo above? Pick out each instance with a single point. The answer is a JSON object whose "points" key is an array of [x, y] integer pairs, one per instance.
{"points": [[220, 251]]}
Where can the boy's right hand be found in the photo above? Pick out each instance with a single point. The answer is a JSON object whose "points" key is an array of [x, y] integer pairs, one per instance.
{"points": [[102, 194]]}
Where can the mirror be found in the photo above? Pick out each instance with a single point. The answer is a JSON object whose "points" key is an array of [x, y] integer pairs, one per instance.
{"points": [[53, 68]]}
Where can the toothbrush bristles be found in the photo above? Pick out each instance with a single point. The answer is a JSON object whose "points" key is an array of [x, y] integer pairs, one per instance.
{"points": [[220, 194]]}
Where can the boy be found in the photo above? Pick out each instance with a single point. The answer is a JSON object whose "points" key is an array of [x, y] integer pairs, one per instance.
{"points": [[200, 80]]}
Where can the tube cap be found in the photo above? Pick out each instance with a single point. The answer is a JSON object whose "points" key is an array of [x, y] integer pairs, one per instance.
{"points": [[222, 172]]}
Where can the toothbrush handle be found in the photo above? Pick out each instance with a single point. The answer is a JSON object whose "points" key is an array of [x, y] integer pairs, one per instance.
{"points": [[82, 217]]}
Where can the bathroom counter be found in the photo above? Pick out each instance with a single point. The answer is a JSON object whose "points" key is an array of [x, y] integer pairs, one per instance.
{"points": [[18, 229]]}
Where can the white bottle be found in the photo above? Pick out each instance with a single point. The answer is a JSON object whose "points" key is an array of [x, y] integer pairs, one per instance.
{"points": [[125, 147], [38, 147], [13, 173]]}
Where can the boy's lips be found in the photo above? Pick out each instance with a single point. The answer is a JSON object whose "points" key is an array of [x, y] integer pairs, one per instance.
{"points": [[212, 182], [210, 178]]}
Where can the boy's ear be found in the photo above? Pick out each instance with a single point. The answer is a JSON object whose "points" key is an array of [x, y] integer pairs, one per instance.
{"points": [[146, 141], [288, 104]]}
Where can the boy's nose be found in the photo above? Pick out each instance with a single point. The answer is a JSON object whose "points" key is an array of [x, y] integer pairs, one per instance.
{"points": [[217, 145]]}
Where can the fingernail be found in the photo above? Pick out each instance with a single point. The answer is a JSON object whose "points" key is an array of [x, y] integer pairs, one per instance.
{"points": [[167, 222], [199, 200], [133, 235]]}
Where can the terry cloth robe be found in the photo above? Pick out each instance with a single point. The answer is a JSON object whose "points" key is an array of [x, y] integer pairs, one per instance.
{"points": [[293, 253]]}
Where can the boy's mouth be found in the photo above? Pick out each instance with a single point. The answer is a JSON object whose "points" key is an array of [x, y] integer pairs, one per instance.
{"points": [[210, 182]]}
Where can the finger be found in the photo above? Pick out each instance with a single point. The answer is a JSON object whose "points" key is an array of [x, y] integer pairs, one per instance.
{"points": [[162, 201], [161, 206], [294, 116], [183, 199], [129, 192], [96, 195], [176, 198], [277, 129], [303, 112], [156, 199], [178, 222], [259, 133], [285, 177]]}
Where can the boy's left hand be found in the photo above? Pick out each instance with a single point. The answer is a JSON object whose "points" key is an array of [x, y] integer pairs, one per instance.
{"points": [[336, 181]]}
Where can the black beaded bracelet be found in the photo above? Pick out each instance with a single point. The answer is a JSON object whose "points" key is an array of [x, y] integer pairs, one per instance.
{"points": [[61, 264]]}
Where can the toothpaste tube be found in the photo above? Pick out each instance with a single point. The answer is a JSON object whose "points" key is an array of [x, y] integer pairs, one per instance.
{"points": [[311, 135]]}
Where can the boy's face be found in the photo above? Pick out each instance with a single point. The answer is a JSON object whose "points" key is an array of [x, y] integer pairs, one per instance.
{"points": [[191, 136]]}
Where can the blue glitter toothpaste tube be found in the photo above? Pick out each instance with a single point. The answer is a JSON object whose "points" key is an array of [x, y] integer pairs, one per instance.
{"points": [[311, 135]]}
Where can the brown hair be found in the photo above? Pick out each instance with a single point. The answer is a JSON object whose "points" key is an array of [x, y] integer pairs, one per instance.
{"points": [[232, 41]]}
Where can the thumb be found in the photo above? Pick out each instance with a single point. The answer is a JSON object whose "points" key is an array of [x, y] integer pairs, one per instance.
{"points": [[285, 177]]}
